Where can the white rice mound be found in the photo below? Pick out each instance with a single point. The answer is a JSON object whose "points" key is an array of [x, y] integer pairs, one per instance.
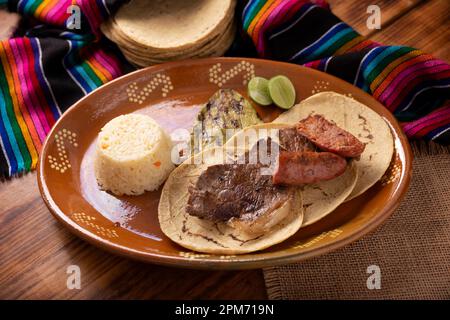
{"points": [[132, 155]]}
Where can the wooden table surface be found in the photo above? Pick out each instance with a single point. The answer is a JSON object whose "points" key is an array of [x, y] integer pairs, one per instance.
{"points": [[35, 250]]}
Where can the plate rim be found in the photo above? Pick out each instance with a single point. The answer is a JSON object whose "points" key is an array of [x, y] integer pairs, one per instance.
{"points": [[276, 258]]}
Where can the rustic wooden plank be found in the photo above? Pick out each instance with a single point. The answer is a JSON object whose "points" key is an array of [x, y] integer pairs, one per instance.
{"points": [[427, 27], [36, 251], [354, 13]]}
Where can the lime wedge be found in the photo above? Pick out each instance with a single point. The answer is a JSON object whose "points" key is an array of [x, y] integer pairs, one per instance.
{"points": [[282, 91], [258, 91]]}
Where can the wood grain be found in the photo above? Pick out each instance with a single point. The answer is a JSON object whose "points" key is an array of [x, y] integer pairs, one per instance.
{"points": [[35, 250], [354, 13], [427, 27]]}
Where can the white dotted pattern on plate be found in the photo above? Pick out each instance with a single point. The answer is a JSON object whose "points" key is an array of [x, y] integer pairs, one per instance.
{"points": [[158, 81], [320, 86], [61, 162], [220, 77], [332, 234], [392, 173], [83, 219], [193, 255]]}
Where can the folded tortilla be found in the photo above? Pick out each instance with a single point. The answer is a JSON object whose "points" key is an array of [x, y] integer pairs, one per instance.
{"points": [[319, 199], [216, 237], [361, 121]]}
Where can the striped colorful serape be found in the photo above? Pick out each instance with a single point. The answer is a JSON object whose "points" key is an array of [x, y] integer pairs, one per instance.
{"points": [[46, 71], [49, 68], [411, 84]]}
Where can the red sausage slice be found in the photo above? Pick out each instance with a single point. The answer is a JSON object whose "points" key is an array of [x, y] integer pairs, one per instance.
{"points": [[329, 137], [298, 168]]}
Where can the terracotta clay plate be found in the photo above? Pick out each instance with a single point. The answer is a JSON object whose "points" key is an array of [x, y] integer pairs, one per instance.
{"points": [[172, 94]]}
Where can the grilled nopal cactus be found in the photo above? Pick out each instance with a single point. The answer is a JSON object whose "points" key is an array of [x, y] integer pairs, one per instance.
{"points": [[226, 109]]}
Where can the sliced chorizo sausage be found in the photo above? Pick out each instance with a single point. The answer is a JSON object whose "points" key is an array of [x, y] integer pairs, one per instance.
{"points": [[329, 137], [298, 168]]}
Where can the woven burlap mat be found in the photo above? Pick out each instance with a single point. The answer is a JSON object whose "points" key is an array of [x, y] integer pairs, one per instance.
{"points": [[412, 248]]}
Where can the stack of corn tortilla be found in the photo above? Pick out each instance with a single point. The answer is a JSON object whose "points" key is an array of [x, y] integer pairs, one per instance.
{"points": [[157, 31]]}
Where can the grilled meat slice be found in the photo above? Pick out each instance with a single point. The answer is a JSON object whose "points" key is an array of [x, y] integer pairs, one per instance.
{"points": [[329, 137], [298, 168], [225, 191]]}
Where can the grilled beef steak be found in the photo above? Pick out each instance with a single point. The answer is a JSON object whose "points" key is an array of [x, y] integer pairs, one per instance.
{"points": [[241, 191], [225, 191]]}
